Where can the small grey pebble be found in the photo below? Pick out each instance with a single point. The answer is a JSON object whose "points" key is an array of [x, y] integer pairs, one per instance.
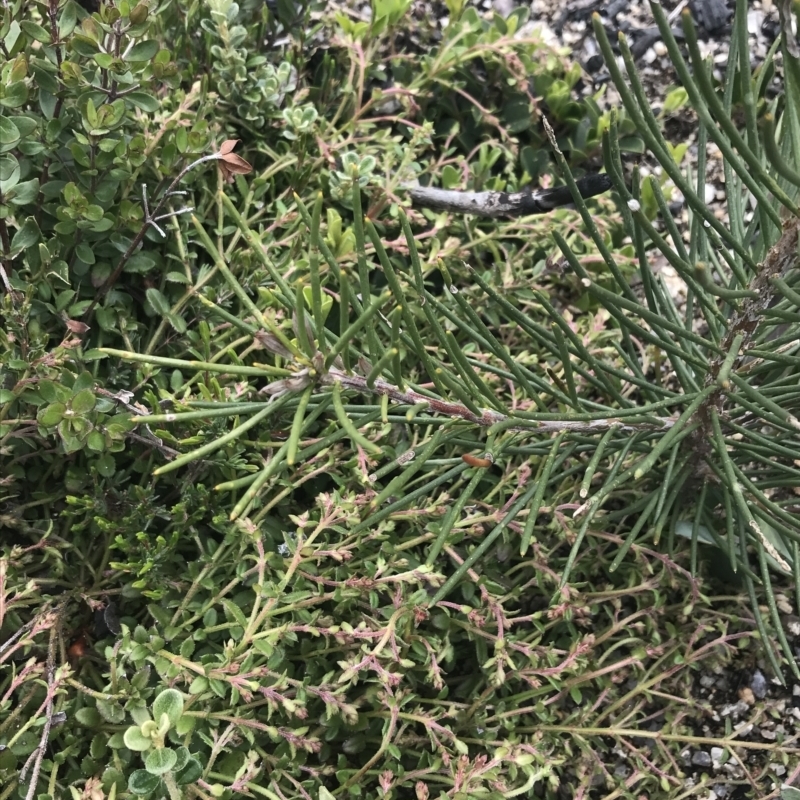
{"points": [[734, 710], [758, 683], [701, 759]]}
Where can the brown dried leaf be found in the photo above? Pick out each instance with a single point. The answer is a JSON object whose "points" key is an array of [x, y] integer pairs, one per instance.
{"points": [[227, 146], [271, 343], [76, 326], [231, 164], [296, 383]]}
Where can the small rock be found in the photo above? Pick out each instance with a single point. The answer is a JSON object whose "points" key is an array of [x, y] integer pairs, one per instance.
{"points": [[734, 710], [746, 695], [594, 63], [784, 606], [707, 681], [770, 736], [701, 759], [709, 193], [650, 56], [758, 684], [716, 756], [712, 15], [503, 7], [754, 21], [660, 48]]}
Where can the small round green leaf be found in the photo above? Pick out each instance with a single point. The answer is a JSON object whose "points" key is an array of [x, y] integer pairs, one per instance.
{"points": [[142, 782], [113, 777], [89, 717], [136, 740], [169, 702], [160, 760]]}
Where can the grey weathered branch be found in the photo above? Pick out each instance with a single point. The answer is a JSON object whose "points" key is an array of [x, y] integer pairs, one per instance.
{"points": [[487, 417], [507, 204]]}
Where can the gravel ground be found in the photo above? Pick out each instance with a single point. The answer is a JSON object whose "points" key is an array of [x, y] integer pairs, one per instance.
{"points": [[568, 25]]}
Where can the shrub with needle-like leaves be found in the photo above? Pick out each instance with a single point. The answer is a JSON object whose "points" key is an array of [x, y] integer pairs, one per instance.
{"points": [[689, 430]]}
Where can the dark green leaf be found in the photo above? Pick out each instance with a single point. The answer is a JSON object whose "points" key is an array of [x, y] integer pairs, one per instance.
{"points": [[143, 51], [158, 301], [9, 133], [141, 782], [142, 100], [191, 773], [35, 31]]}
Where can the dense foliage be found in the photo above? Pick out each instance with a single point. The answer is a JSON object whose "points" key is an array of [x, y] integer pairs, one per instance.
{"points": [[310, 494]]}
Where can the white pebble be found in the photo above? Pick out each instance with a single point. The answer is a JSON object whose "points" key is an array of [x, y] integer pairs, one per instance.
{"points": [[633, 205]]}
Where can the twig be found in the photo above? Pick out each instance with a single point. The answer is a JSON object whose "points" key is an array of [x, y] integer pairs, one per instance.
{"points": [[487, 417], [48, 719], [507, 204], [11, 639]]}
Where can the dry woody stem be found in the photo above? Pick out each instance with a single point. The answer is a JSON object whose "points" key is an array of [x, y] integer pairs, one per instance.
{"points": [[507, 204], [487, 416]]}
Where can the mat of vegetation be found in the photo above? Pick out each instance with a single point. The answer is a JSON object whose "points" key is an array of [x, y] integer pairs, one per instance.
{"points": [[310, 493]]}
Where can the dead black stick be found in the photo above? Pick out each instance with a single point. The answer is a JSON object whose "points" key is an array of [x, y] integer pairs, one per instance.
{"points": [[507, 204]]}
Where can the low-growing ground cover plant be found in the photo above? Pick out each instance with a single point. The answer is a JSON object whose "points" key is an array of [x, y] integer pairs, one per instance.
{"points": [[375, 493]]}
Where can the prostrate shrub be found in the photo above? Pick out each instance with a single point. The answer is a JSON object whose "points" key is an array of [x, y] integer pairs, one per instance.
{"points": [[312, 494]]}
